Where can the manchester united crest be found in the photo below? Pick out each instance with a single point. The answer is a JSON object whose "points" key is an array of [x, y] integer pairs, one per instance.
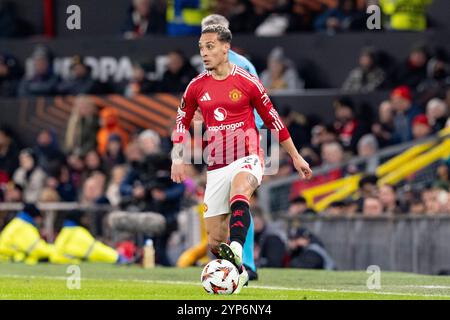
{"points": [[235, 95]]}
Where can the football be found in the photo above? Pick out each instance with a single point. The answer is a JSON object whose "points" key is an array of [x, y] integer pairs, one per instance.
{"points": [[220, 277]]}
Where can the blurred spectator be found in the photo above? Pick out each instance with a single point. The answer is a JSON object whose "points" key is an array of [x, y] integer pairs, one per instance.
{"points": [[47, 151], [298, 126], [438, 75], [351, 207], [332, 153], [406, 15], [11, 25], [275, 24], [82, 127], [42, 80], [336, 209], [29, 176], [384, 127], [344, 17], [139, 84], [285, 165], [93, 190], [368, 76], [367, 187], [185, 17], [141, 179], [437, 113], [9, 154], [93, 193], [248, 15], [414, 70], [10, 74], [442, 177], [435, 201], [61, 182], [227, 8], [80, 81], [299, 207], [416, 207], [307, 252], [118, 173], [11, 192], [148, 187], [420, 127], [114, 153], [270, 242], [321, 134], [145, 17], [302, 13], [349, 129], [178, 74], [75, 165], [110, 124], [388, 198], [93, 163], [405, 112], [280, 73], [368, 147], [372, 207]]}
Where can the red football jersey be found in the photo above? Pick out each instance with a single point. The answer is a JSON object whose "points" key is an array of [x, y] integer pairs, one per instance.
{"points": [[227, 108]]}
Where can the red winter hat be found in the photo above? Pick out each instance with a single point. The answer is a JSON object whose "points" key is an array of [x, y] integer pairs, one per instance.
{"points": [[420, 119], [403, 92]]}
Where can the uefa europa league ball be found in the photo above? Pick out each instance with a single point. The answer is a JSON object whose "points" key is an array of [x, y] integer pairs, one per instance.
{"points": [[220, 277]]}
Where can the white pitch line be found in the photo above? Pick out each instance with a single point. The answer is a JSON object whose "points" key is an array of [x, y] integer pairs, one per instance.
{"points": [[252, 286]]}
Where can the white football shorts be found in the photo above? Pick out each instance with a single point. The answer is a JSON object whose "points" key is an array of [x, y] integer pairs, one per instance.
{"points": [[218, 184]]}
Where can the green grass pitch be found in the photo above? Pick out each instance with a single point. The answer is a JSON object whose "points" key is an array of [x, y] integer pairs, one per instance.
{"points": [[98, 281]]}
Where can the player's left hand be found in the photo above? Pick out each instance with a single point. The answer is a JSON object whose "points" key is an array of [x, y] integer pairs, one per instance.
{"points": [[302, 167], [177, 173]]}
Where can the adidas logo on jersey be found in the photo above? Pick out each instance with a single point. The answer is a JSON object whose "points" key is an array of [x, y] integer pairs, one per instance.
{"points": [[206, 97]]}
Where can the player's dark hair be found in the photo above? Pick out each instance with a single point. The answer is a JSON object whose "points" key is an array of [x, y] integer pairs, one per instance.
{"points": [[223, 34]]}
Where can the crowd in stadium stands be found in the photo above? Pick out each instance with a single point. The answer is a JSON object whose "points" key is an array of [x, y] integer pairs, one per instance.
{"points": [[99, 163], [271, 17], [262, 17], [425, 70]]}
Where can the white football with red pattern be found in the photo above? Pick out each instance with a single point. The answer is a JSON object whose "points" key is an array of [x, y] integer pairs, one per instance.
{"points": [[220, 277]]}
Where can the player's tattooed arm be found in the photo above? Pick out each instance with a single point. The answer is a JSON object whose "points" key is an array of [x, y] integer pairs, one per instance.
{"points": [[177, 173], [177, 153]]}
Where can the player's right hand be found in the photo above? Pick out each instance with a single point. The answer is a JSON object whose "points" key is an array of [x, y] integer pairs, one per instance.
{"points": [[177, 173]]}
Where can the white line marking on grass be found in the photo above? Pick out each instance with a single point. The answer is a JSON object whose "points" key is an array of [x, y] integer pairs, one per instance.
{"points": [[427, 287], [253, 286]]}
